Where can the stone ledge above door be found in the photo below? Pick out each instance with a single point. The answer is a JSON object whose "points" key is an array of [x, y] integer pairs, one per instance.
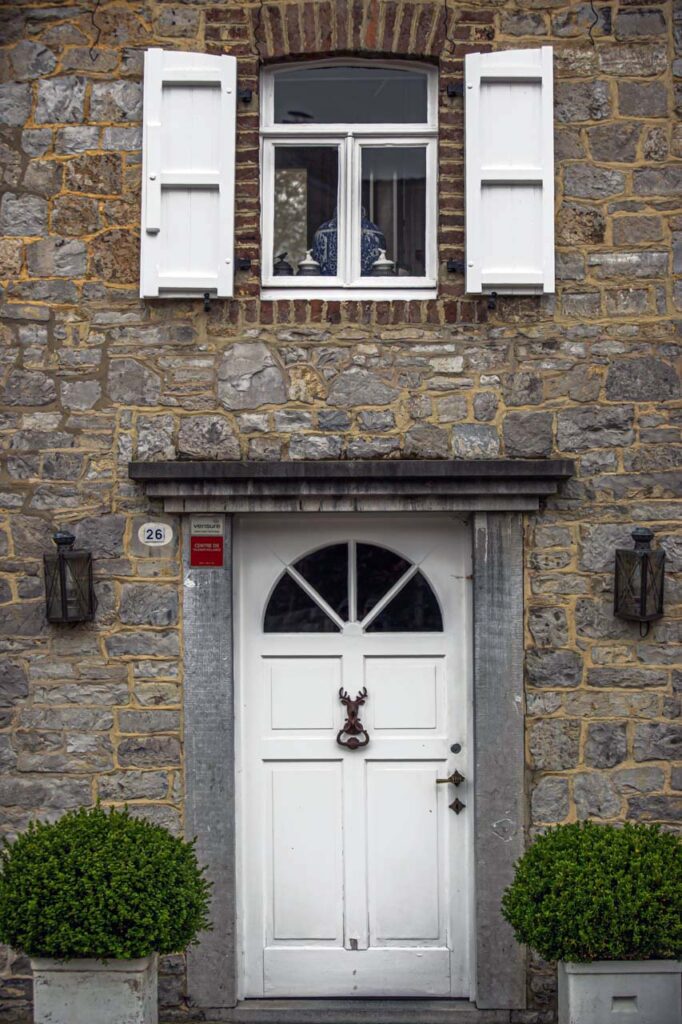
{"points": [[399, 485]]}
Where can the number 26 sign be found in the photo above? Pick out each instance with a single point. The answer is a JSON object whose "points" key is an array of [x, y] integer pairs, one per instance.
{"points": [[155, 534]]}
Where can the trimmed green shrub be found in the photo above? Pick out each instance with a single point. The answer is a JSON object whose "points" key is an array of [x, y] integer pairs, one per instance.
{"points": [[588, 892], [103, 885]]}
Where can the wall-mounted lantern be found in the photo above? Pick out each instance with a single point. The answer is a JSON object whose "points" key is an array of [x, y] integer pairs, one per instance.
{"points": [[69, 593], [638, 592]]}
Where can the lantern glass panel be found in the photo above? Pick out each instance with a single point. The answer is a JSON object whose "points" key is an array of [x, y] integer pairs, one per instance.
{"points": [[69, 589], [639, 585]]}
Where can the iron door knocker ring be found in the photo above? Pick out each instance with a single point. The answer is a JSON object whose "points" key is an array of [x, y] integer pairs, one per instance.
{"points": [[352, 727]]}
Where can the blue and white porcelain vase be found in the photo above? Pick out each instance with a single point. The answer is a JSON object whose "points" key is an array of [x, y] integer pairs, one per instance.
{"points": [[325, 245]]}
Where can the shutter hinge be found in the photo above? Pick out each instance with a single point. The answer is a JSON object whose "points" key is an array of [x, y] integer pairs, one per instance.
{"points": [[455, 89], [455, 266], [245, 95], [243, 263]]}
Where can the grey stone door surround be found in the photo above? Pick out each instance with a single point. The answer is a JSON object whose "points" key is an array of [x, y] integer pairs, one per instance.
{"points": [[496, 493]]}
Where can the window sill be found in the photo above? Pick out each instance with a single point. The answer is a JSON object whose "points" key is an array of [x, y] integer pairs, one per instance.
{"points": [[351, 294]]}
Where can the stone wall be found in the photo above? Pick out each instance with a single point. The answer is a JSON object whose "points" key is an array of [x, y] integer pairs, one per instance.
{"points": [[92, 377]]}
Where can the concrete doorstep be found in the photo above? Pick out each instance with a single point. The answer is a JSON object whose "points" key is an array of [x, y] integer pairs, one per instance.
{"points": [[365, 1011]]}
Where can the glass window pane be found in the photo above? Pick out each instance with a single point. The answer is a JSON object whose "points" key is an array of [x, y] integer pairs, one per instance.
{"points": [[327, 572], [378, 569], [291, 610], [306, 192], [414, 609], [355, 95], [394, 211]]}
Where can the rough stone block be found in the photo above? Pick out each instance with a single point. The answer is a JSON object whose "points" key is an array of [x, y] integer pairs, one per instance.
{"points": [[655, 808], [141, 644], [55, 793], [207, 437], [13, 683], [60, 100], [249, 376], [315, 446], [148, 604], [635, 264], [77, 139], [360, 387], [23, 215], [154, 721], [661, 181], [594, 427], [615, 142], [643, 379], [588, 182], [549, 801], [103, 535], [148, 751], [116, 101], [177, 21], [133, 785], [635, 678], [59, 257], [132, 383], [474, 441], [595, 796], [577, 224], [582, 101], [606, 744], [638, 780], [31, 60], [642, 99], [553, 668], [29, 387], [658, 742], [554, 744], [126, 139], [528, 434], [98, 174], [15, 104], [636, 24], [641, 61], [548, 626]]}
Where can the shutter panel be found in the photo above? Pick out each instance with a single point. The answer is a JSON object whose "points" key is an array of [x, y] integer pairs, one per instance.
{"points": [[188, 174], [510, 171]]}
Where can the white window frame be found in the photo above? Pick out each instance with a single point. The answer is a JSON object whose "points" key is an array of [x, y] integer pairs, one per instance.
{"points": [[350, 139]]}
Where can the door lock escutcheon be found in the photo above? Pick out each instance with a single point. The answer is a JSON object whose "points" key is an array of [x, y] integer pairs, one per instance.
{"points": [[456, 779]]}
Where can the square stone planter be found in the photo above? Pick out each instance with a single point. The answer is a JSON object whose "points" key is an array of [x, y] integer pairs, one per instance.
{"points": [[636, 991], [92, 992]]}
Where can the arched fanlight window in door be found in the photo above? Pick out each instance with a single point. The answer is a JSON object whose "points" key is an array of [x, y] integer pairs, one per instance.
{"points": [[370, 588]]}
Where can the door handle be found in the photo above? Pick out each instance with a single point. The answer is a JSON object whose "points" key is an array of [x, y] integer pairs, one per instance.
{"points": [[456, 779]]}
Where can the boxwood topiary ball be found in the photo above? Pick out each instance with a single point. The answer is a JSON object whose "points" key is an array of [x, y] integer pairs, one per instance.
{"points": [[102, 885], [587, 892]]}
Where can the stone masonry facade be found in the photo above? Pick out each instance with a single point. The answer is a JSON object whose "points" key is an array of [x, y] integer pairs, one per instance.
{"points": [[92, 377]]}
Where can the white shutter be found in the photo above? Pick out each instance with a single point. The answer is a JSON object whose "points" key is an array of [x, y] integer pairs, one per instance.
{"points": [[188, 174], [509, 171]]}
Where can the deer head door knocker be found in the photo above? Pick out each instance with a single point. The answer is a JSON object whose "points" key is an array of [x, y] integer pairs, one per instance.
{"points": [[352, 727]]}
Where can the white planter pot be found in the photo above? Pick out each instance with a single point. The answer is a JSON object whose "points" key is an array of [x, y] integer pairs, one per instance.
{"points": [[620, 991], [92, 992]]}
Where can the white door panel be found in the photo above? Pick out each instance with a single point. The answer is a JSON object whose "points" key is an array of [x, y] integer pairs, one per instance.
{"points": [[354, 872], [304, 864]]}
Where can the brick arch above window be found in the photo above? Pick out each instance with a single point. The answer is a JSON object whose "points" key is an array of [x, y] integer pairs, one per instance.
{"points": [[362, 27]]}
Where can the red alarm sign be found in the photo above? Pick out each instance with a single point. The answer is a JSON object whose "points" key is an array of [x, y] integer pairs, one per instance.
{"points": [[206, 543]]}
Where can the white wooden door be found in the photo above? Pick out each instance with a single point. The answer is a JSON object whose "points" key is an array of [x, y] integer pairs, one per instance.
{"points": [[355, 871]]}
